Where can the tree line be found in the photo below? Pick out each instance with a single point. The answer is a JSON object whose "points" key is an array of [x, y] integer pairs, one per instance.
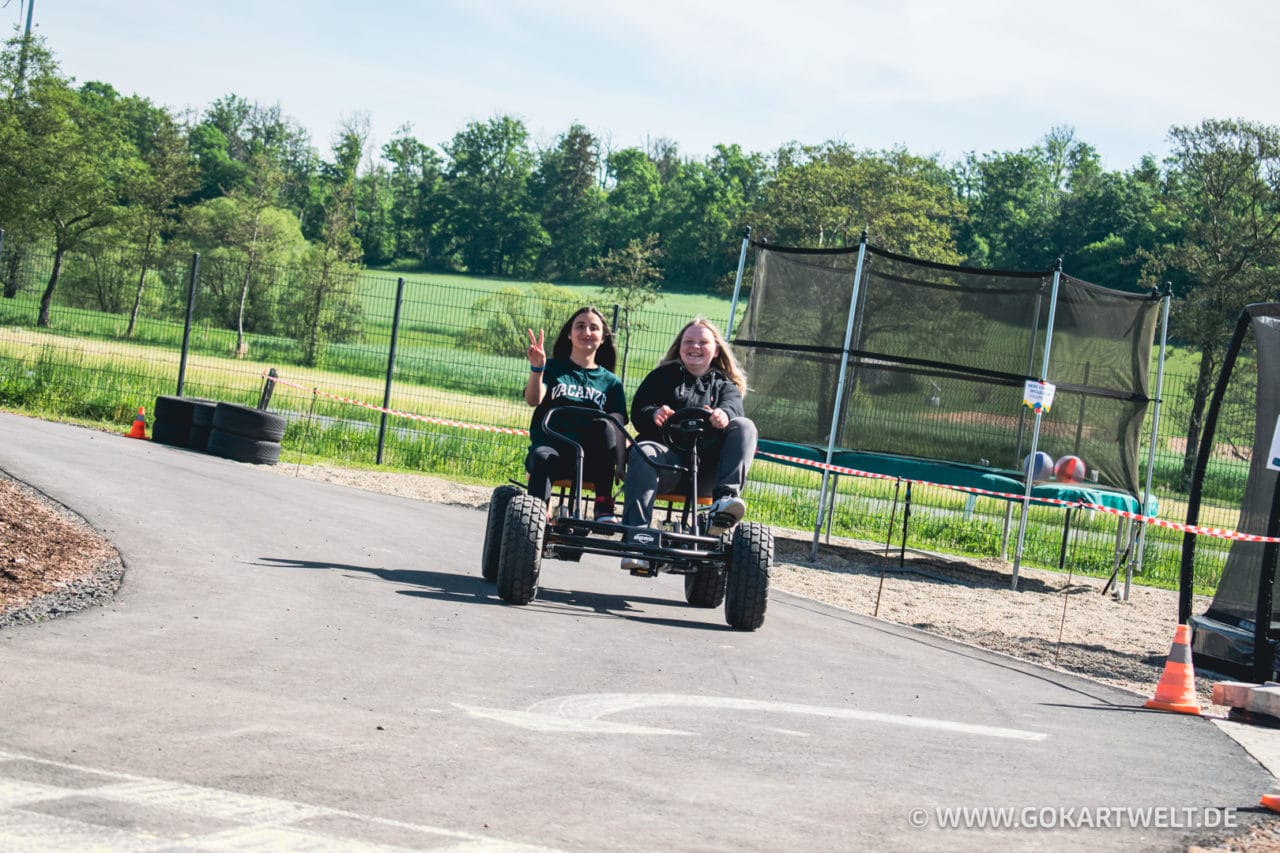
{"points": [[83, 164]]}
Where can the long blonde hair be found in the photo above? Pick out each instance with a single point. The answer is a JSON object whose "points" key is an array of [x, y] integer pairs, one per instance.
{"points": [[724, 360]]}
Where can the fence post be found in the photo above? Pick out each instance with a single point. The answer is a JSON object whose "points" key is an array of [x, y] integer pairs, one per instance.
{"points": [[267, 388], [626, 349], [1, 242], [186, 327], [391, 366]]}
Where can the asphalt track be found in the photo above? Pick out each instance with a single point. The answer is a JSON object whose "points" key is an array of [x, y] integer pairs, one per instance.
{"points": [[294, 665]]}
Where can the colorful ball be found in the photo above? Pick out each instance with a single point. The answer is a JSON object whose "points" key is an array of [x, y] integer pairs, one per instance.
{"points": [[1041, 469], [1069, 469]]}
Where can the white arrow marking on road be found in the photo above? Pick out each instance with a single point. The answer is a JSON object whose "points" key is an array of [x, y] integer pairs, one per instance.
{"points": [[582, 714], [542, 722]]}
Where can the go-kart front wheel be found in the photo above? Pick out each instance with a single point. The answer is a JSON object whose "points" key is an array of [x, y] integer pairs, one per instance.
{"points": [[747, 589], [521, 558]]}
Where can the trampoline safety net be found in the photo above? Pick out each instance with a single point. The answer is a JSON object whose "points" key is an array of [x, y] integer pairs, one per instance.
{"points": [[938, 358]]}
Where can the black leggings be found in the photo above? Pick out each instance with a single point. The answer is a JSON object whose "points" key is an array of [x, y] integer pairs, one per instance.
{"points": [[555, 460]]}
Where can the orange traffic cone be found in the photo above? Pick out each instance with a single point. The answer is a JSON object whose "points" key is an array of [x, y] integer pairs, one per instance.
{"points": [[139, 428], [1177, 688], [1271, 801]]}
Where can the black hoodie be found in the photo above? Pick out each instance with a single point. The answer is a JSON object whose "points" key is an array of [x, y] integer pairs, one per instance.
{"points": [[672, 385]]}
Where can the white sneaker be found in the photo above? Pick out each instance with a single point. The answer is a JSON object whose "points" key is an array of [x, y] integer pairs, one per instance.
{"points": [[724, 513]]}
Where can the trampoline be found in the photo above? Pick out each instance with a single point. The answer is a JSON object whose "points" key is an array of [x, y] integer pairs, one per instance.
{"points": [[977, 480], [898, 367]]}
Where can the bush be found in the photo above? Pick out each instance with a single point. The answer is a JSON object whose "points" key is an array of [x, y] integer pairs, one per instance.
{"points": [[501, 320]]}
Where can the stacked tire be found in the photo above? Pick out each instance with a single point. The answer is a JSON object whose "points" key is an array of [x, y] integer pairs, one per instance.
{"points": [[246, 434], [178, 421], [201, 425]]}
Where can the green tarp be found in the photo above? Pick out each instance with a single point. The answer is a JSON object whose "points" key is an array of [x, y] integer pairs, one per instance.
{"points": [[952, 474]]}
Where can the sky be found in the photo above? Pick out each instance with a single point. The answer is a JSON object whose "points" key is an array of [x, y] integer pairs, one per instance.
{"points": [[936, 77]]}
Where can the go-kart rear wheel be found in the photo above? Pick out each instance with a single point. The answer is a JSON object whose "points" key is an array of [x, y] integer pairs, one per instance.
{"points": [[493, 528], [747, 587], [521, 557]]}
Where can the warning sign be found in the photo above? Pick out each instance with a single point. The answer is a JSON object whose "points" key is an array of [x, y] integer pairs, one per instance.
{"points": [[1038, 396]]}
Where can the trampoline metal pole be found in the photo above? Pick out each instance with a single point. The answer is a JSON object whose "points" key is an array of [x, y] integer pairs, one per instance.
{"points": [[1155, 437], [1022, 422], [1030, 469], [839, 401], [737, 282], [1035, 432]]}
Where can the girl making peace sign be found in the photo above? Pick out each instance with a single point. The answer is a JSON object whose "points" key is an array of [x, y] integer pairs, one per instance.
{"points": [[579, 373]]}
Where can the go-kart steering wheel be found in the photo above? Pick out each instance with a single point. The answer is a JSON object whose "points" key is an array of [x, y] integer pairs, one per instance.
{"points": [[685, 427]]}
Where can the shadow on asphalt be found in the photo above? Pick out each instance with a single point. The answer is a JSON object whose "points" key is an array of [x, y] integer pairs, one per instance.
{"points": [[452, 587]]}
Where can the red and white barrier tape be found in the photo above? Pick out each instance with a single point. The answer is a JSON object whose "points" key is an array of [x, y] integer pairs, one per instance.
{"points": [[1217, 532], [410, 415]]}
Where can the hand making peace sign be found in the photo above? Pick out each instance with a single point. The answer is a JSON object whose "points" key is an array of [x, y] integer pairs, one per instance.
{"points": [[536, 353]]}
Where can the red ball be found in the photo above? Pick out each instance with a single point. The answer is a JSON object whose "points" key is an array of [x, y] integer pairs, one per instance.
{"points": [[1069, 469]]}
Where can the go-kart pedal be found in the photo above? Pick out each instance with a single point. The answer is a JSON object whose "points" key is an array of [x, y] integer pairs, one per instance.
{"points": [[564, 519], [724, 513], [639, 568]]}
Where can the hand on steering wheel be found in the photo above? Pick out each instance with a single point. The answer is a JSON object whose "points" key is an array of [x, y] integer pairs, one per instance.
{"points": [[682, 429]]}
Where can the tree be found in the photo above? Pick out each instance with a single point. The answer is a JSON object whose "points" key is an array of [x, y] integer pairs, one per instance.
{"points": [[630, 276], [498, 321], [490, 214], [570, 204], [704, 207], [234, 133], [326, 309], [1012, 207], [152, 192], [825, 196], [243, 250], [260, 193], [634, 190], [1224, 191], [415, 184], [73, 159], [21, 124]]}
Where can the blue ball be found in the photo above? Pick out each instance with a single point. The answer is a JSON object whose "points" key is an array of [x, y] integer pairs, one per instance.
{"points": [[1040, 469]]}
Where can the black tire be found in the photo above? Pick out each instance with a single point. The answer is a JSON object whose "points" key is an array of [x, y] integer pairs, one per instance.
{"points": [[198, 438], [521, 556], [248, 422], [174, 410], [747, 589], [202, 412], [493, 528], [228, 445], [705, 587], [173, 418], [170, 433], [201, 424]]}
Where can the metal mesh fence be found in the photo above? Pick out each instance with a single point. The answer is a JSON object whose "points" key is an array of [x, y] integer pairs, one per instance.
{"points": [[115, 339]]}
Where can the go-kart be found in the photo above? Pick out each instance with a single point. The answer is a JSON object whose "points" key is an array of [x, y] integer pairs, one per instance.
{"points": [[730, 568]]}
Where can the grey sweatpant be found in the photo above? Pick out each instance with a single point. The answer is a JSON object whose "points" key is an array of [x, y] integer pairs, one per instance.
{"points": [[724, 469]]}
